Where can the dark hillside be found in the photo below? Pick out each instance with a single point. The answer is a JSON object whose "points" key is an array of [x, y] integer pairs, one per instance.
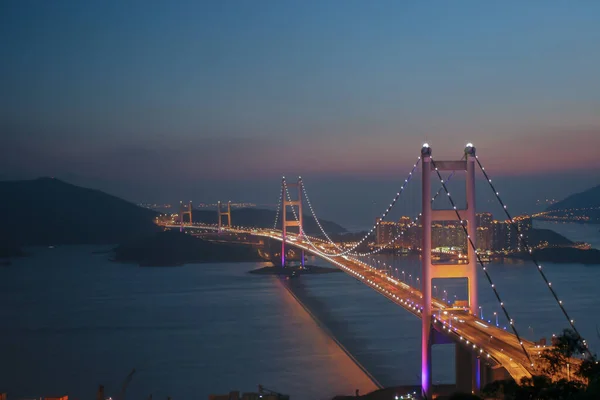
{"points": [[48, 211], [585, 204]]}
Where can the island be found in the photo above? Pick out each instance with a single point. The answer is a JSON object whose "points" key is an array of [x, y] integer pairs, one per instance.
{"points": [[581, 207], [49, 212], [293, 271], [9, 251], [173, 248], [563, 255]]}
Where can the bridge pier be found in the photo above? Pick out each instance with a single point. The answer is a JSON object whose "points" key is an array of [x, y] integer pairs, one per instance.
{"points": [[184, 210], [285, 223], [221, 214], [468, 368]]}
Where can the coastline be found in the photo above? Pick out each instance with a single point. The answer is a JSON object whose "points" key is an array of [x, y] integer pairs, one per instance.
{"points": [[330, 334]]}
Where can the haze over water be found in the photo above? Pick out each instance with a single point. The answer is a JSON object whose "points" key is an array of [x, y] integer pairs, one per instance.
{"points": [[72, 320]]}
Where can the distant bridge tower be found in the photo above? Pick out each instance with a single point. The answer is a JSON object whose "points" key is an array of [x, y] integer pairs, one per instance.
{"points": [[468, 368], [184, 210], [221, 214], [289, 223]]}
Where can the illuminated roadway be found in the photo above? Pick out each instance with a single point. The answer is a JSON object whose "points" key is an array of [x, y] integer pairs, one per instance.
{"points": [[490, 342]]}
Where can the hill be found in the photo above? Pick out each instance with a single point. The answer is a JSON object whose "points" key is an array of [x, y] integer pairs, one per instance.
{"points": [[565, 255], [171, 248], [262, 218], [538, 236], [587, 204], [48, 211]]}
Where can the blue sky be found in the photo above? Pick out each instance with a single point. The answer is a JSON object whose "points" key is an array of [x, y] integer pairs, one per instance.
{"points": [[135, 96]]}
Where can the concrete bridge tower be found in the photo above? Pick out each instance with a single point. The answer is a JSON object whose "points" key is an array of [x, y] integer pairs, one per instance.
{"points": [[288, 223], [184, 210], [221, 214], [467, 365]]}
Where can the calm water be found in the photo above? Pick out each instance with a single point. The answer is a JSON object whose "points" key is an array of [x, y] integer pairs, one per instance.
{"points": [[72, 320]]}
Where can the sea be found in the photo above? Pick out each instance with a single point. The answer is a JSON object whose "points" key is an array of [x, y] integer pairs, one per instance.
{"points": [[70, 320]]}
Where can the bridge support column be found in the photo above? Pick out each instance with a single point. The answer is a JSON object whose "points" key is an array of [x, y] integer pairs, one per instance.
{"points": [[288, 223], [221, 214], [488, 373], [426, 336], [467, 364], [184, 210], [467, 369]]}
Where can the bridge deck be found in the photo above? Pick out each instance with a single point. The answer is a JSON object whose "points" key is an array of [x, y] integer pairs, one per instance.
{"points": [[489, 342]]}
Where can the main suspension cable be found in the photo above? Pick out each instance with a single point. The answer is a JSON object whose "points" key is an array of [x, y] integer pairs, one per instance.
{"points": [[398, 236], [487, 275], [381, 219], [528, 249]]}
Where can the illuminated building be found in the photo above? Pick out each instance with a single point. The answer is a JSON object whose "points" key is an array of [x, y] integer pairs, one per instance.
{"points": [[386, 231]]}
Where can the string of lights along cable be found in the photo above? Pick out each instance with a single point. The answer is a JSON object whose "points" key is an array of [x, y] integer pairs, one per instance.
{"points": [[374, 251], [278, 209], [314, 214], [302, 232], [529, 250], [398, 236], [487, 275], [381, 219]]}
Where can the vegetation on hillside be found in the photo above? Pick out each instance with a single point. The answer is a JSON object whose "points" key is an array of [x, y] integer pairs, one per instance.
{"points": [[48, 211], [171, 248]]}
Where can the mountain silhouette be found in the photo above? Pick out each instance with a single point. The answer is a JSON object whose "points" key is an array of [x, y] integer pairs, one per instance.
{"points": [[48, 211], [586, 203]]}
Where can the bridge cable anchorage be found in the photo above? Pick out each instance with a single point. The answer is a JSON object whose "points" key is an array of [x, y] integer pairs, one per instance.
{"points": [[381, 219], [416, 220], [529, 250], [487, 275], [278, 209]]}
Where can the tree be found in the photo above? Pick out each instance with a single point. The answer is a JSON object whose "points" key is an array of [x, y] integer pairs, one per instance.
{"points": [[464, 396], [556, 360]]}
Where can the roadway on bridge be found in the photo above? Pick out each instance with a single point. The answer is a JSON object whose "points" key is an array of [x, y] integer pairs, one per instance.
{"points": [[486, 340]]}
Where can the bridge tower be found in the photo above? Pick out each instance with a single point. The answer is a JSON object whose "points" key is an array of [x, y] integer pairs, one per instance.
{"points": [[221, 214], [468, 368], [184, 210], [289, 223]]}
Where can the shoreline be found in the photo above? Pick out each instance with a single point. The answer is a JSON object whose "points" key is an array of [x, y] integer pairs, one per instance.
{"points": [[328, 332]]}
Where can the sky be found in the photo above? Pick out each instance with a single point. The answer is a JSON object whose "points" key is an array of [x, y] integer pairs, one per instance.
{"points": [[158, 101]]}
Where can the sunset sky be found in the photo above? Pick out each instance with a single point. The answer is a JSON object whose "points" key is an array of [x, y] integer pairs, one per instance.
{"points": [[150, 98]]}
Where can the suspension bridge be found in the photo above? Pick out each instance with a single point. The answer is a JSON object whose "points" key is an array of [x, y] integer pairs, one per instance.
{"points": [[484, 351]]}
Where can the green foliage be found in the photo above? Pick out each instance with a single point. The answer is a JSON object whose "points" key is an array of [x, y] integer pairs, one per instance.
{"points": [[555, 361], [464, 396], [537, 387], [569, 343]]}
